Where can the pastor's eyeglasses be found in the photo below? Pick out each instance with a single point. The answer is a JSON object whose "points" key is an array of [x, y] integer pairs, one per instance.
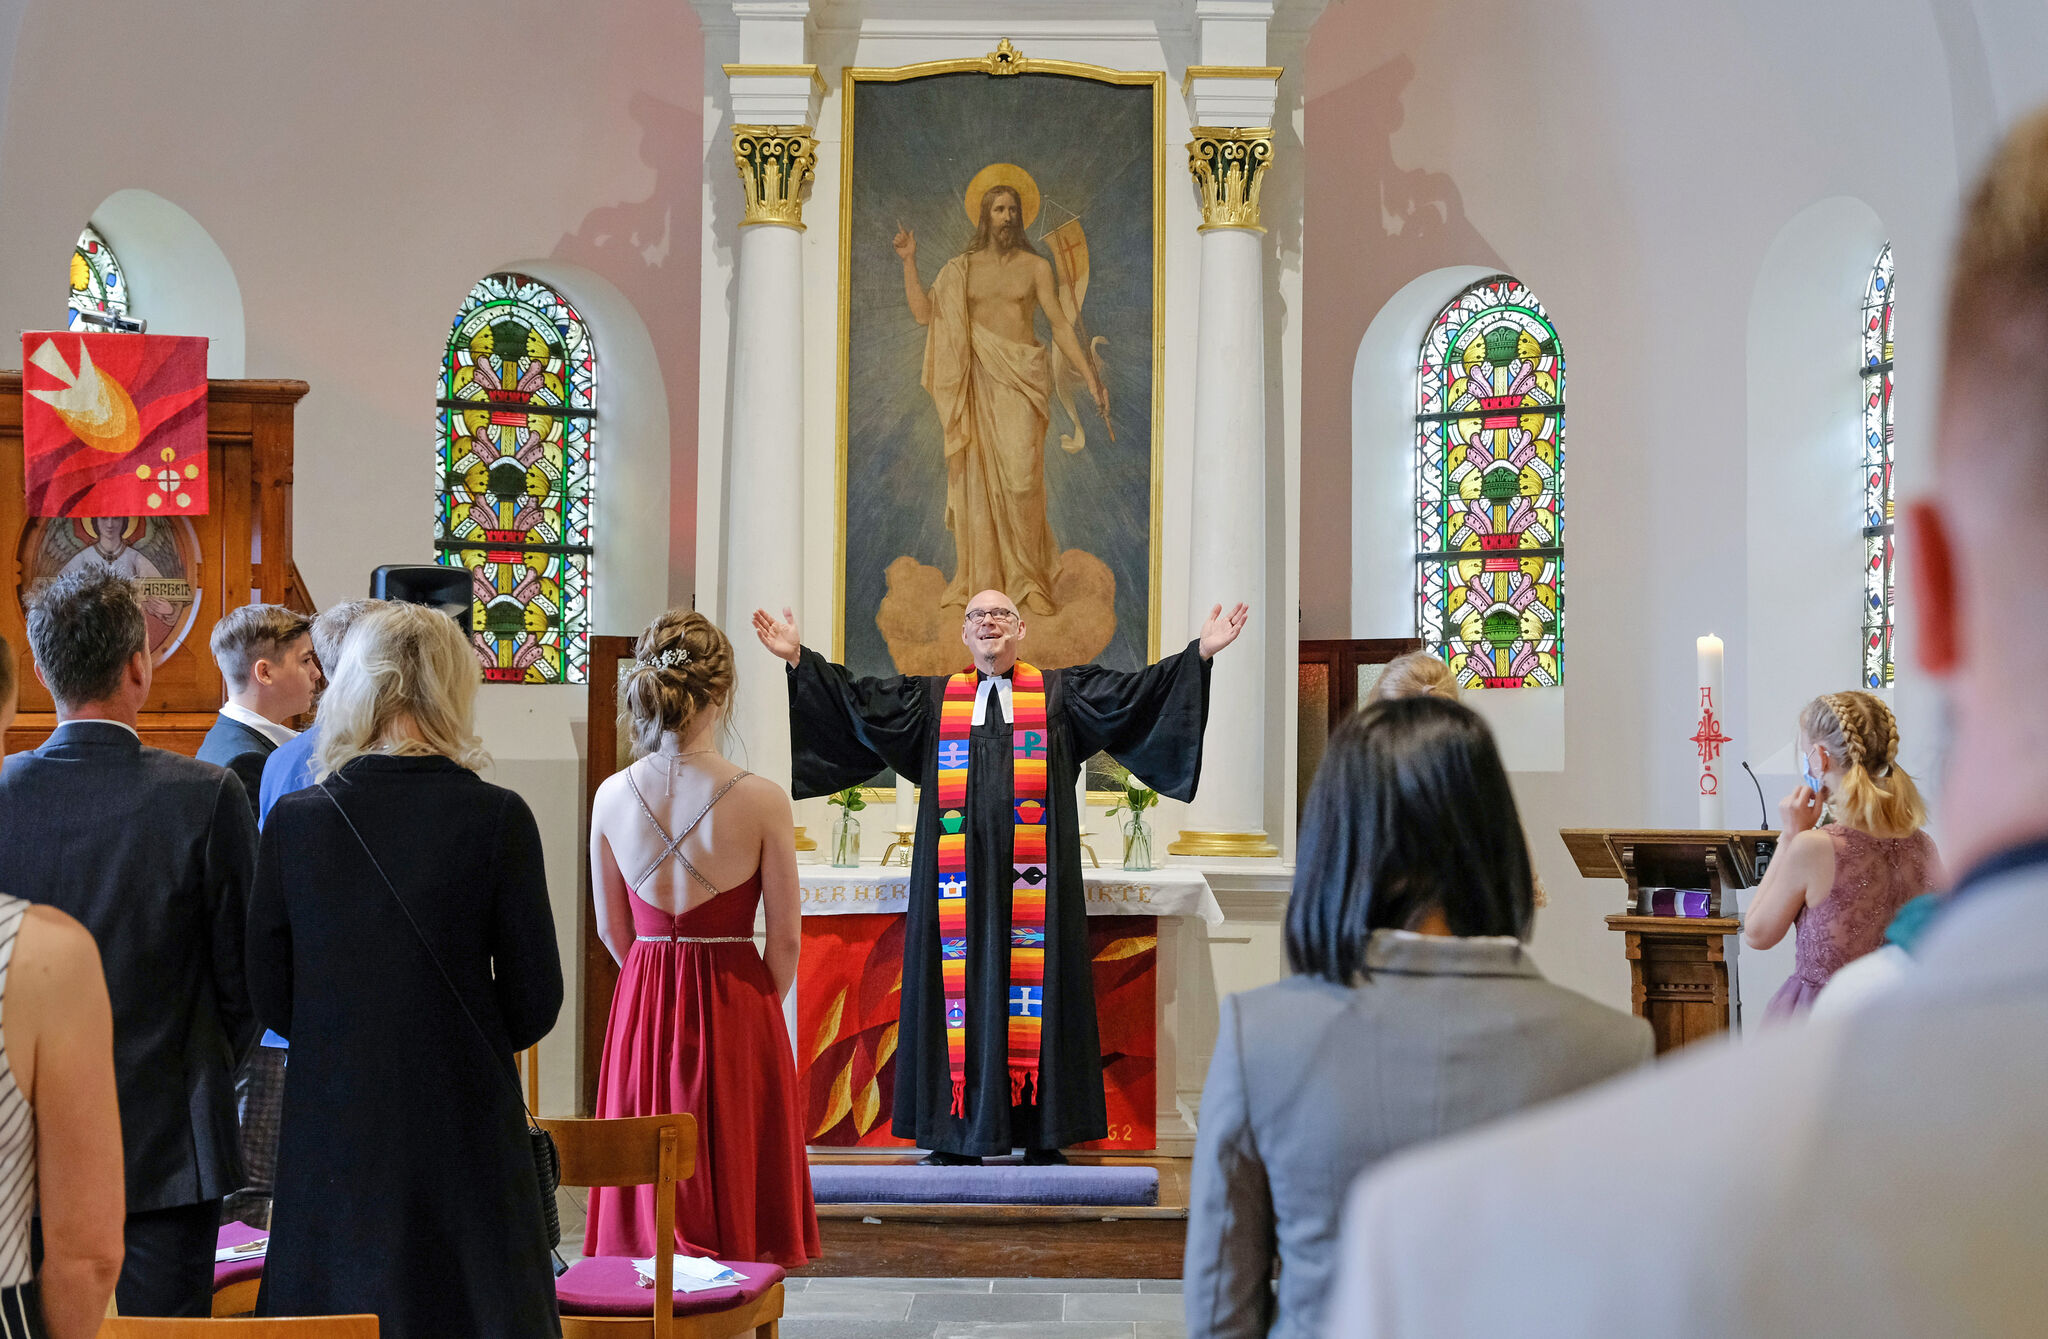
{"points": [[1000, 617]]}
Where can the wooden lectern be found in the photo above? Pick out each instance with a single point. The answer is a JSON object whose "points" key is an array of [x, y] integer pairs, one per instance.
{"points": [[1681, 977]]}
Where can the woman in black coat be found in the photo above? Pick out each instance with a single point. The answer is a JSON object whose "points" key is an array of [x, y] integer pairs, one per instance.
{"points": [[405, 1181]]}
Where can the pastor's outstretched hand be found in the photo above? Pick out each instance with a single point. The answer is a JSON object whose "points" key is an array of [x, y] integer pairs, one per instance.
{"points": [[779, 635], [1222, 629]]}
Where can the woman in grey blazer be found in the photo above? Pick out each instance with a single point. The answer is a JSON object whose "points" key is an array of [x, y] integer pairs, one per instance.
{"points": [[1414, 1013]]}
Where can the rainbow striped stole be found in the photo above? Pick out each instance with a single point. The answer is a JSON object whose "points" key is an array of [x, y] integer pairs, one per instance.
{"points": [[1029, 748]]}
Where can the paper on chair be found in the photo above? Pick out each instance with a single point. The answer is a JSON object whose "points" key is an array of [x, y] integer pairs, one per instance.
{"points": [[259, 1246], [693, 1273]]}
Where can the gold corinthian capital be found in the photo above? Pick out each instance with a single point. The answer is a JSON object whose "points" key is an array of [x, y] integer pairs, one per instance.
{"points": [[1229, 165], [774, 164]]}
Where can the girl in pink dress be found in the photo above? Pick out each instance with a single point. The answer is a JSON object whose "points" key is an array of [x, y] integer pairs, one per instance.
{"points": [[1841, 884], [684, 847]]}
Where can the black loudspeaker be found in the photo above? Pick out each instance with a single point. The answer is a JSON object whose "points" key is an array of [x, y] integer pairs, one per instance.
{"points": [[447, 589]]}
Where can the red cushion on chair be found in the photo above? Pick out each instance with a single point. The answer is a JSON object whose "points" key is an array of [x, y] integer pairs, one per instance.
{"points": [[242, 1269], [607, 1285]]}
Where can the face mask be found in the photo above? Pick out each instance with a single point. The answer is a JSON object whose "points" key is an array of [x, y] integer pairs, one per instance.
{"points": [[1806, 772]]}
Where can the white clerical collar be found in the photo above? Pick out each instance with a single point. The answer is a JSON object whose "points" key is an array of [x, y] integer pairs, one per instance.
{"points": [[999, 682], [262, 725]]}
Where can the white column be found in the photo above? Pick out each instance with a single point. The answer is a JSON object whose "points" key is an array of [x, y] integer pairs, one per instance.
{"points": [[1232, 144], [764, 552], [773, 107], [1228, 816]]}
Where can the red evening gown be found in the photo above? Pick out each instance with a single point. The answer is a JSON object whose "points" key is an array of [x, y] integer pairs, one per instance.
{"points": [[696, 1027]]}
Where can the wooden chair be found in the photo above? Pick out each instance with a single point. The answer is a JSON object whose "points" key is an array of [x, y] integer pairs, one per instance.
{"points": [[657, 1151], [237, 1281], [236, 1299], [281, 1327]]}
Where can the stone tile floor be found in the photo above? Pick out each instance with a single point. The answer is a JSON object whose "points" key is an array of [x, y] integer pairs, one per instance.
{"points": [[833, 1308], [851, 1308]]}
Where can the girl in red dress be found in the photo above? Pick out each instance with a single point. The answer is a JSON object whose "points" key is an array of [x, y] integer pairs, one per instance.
{"points": [[684, 847]]}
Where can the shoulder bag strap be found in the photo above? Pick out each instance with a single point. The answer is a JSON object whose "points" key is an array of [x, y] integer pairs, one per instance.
{"points": [[433, 957]]}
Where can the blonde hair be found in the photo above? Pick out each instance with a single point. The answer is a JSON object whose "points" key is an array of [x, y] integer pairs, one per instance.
{"points": [[684, 668], [401, 662], [1862, 736], [1416, 674]]}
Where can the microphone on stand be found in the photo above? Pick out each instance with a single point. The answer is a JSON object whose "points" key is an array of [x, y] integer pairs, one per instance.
{"points": [[1768, 846], [1762, 808]]}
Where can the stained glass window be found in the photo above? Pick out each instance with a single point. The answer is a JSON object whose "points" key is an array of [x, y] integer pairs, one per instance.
{"points": [[1489, 480], [1877, 473], [97, 284], [517, 429]]}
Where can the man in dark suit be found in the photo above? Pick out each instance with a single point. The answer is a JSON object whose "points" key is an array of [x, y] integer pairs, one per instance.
{"points": [[154, 853], [265, 653]]}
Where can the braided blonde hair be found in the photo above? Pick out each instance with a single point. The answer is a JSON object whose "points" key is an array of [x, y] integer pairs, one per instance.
{"points": [[1861, 734], [684, 667]]}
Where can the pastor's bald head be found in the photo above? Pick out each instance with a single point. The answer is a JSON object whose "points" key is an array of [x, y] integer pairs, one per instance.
{"points": [[991, 631], [992, 599]]}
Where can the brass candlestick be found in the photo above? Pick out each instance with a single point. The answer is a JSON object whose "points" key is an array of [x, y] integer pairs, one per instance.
{"points": [[902, 839]]}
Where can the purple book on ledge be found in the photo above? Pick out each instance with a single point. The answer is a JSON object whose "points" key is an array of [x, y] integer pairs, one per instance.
{"points": [[1691, 903]]}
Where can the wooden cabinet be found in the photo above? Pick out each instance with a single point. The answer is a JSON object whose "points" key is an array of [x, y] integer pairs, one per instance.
{"points": [[191, 569]]}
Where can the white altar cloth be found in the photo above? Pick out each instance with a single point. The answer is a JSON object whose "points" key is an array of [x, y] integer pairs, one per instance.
{"points": [[1111, 891]]}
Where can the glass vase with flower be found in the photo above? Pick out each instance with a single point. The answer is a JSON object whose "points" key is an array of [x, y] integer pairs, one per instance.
{"points": [[846, 828], [1137, 798]]}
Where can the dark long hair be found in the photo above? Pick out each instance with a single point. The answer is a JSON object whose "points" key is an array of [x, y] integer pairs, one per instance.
{"points": [[1410, 812], [985, 234]]}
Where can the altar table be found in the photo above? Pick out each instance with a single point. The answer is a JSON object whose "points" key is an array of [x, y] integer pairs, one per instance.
{"points": [[870, 889], [851, 974]]}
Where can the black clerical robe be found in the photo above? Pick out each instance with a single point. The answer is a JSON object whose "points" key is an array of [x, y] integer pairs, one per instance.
{"points": [[844, 730]]}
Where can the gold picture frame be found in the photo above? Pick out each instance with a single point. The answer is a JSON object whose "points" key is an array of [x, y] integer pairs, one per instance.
{"points": [[1005, 62]]}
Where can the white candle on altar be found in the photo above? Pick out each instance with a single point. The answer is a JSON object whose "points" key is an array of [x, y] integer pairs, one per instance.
{"points": [[906, 804], [1709, 734], [1081, 801]]}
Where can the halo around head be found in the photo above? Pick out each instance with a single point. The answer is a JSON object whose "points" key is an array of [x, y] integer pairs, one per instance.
{"points": [[1002, 174], [88, 533]]}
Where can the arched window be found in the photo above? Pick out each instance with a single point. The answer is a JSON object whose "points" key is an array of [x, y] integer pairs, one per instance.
{"points": [[517, 432], [1877, 473], [1489, 485], [97, 284]]}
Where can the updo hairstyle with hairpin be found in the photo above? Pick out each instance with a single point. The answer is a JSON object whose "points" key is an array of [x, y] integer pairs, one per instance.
{"points": [[1862, 738], [683, 667]]}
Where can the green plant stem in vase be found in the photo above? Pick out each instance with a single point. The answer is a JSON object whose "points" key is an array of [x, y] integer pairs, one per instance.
{"points": [[846, 828], [1137, 798]]}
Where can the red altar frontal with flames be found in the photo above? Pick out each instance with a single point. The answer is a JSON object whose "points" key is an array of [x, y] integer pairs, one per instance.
{"points": [[848, 990]]}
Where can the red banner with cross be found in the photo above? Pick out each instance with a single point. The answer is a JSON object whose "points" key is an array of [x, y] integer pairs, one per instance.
{"points": [[113, 424]]}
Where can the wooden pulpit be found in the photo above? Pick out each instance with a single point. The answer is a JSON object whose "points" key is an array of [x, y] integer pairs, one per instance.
{"points": [[191, 569], [1682, 970]]}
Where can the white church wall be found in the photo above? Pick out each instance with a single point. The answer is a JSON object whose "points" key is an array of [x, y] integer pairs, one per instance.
{"points": [[1633, 163], [178, 279], [359, 168]]}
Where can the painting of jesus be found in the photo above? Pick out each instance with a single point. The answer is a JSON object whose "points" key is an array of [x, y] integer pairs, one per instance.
{"points": [[999, 407]]}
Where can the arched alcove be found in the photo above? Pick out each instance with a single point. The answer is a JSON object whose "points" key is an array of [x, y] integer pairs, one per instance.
{"points": [[629, 521], [1383, 452], [179, 280], [1804, 456], [1528, 722]]}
